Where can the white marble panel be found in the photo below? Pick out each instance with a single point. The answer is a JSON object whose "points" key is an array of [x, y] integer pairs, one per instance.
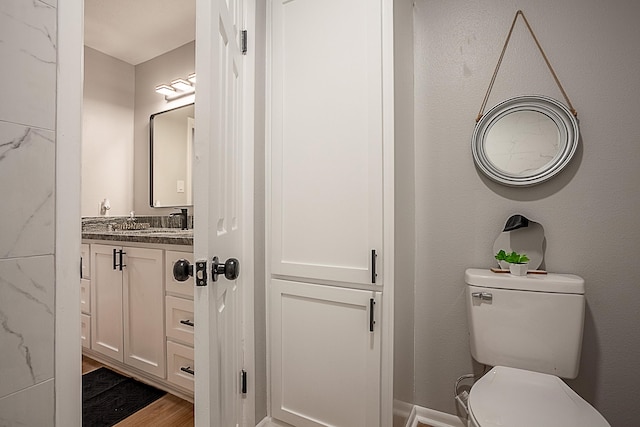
{"points": [[26, 322], [28, 71], [53, 3], [31, 407], [27, 167]]}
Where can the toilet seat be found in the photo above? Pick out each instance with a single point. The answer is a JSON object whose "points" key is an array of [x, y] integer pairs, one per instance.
{"points": [[515, 397]]}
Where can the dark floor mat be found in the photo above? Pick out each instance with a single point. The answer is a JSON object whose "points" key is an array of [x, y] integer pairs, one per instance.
{"points": [[108, 397]]}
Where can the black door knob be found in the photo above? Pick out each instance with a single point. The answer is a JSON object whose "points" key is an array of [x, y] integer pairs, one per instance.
{"points": [[230, 269], [182, 270]]}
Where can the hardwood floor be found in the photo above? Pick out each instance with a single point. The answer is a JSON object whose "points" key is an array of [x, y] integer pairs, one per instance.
{"points": [[168, 411]]}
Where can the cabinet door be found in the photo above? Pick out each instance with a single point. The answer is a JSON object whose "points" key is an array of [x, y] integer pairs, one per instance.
{"points": [[326, 139], [143, 310], [106, 303], [325, 365]]}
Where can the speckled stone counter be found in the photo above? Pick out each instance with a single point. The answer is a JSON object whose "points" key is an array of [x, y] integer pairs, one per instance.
{"points": [[157, 230]]}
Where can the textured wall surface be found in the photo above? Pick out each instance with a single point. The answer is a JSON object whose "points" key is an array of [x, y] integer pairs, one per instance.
{"points": [[404, 192], [589, 211], [27, 170]]}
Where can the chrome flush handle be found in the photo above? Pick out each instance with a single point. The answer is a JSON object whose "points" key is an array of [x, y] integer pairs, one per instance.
{"points": [[484, 296]]}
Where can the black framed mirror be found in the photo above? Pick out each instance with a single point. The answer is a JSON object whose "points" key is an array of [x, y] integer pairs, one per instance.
{"points": [[171, 153]]}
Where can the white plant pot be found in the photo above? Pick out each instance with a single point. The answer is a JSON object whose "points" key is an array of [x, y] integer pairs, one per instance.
{"points": [[519, 269]]}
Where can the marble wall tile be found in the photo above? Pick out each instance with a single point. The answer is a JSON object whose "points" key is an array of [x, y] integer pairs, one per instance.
{"points": [[53, 3], [27, 168], [26, 322], [33, 406], [28, 71]]}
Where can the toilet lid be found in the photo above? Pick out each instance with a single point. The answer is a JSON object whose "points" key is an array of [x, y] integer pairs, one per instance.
{"points": [[515, 397]]}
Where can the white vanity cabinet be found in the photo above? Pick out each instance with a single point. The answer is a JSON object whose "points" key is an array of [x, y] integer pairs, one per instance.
{"points": [[127, 306], [179, 324]]}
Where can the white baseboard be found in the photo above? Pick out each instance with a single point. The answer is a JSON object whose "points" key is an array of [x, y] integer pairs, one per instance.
{"points": [[434, 418], [416, 414], [270, 422], [401, 412]]}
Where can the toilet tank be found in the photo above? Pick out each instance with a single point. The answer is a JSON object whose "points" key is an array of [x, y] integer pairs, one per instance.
{"points": [[534, 322]]}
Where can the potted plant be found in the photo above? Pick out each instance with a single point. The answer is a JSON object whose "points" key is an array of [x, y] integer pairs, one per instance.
{"points": [[518, 263]]}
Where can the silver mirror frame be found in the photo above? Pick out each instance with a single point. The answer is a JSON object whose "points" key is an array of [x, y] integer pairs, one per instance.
{"points": [[561, 116]]}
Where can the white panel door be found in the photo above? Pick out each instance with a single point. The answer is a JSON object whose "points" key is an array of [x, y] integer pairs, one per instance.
{"points": [[325, 364], [326, 139], [106, 302], [143, 310], [220, 221]]}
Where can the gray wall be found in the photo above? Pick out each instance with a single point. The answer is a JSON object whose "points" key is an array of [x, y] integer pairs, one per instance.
{"points": [[589, 211], [28, 53], [107, 134], [178, 63], [404, 190], [118, 100]]}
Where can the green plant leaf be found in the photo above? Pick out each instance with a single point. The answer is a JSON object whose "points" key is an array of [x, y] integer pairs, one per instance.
{"points": [[512, 258], [501, 256], [516, 258]]}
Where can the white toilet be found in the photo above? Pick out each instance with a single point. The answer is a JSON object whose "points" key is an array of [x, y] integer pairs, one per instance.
{"points": [[530, 330]]}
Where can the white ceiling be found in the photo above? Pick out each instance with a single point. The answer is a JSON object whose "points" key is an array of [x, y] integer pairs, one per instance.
{"points": [[136, 31]]}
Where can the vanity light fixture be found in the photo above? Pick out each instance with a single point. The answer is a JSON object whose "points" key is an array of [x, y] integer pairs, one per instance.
{"points": [[182, 85], [165, 90], [178, 88]]}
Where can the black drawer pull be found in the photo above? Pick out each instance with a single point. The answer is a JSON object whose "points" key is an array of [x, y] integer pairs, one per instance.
{"points": [[372, 322], [187, 322], [188, 370]]}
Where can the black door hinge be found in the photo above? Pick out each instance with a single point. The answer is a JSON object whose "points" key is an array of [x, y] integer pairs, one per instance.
{"points": [[243, 41]]}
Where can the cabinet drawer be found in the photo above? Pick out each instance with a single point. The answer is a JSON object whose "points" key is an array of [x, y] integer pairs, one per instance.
{"points": [[179, 362], [179, 318], [85, 296], [85, 330], [181, 288], [85, 259]]}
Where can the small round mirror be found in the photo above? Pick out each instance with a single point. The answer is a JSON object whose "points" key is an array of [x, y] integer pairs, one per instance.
{"points": [[525, 140]]}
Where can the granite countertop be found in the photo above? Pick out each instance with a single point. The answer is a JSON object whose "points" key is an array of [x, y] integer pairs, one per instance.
{"points": [[168, 236]]}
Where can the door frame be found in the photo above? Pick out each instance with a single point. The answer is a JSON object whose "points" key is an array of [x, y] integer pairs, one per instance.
{"points": [[68, 345]]}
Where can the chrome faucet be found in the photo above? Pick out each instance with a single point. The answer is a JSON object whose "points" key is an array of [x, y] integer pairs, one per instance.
{"points": [[184, 224]]}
